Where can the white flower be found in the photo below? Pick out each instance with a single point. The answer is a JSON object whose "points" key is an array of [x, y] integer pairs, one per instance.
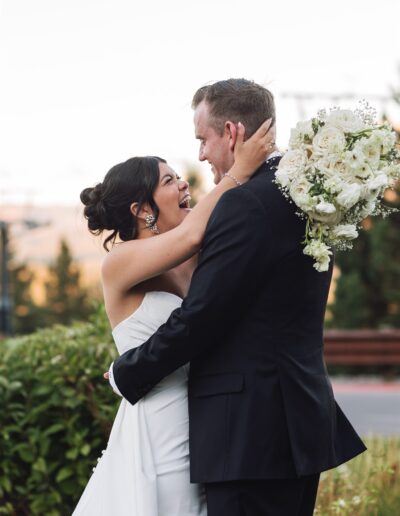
{"points": [[325, 207], [356, 500], [392, 171], [295, 159], [371, 150], [325, 212], [330, 166], [349, 195], [320, 252], [284, 176], [302, 133], [363, 173], [368, 208], [328, 140], [346, 231], [384, 139], [291, 165], [333, 185], [355, 158], [345, 120], [376, 184], [299, 192]]}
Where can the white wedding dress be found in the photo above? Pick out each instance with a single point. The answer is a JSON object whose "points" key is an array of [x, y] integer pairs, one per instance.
{"points": [[145, 469]]}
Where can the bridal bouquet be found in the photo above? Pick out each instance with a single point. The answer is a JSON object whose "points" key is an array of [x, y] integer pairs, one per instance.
{"points": [[336, 171]]}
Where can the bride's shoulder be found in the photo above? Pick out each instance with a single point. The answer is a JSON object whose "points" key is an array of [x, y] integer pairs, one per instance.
{"points": [[118, 254]]}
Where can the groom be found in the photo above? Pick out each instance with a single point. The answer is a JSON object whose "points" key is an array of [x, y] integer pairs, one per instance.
{"points": [[263, 419]]}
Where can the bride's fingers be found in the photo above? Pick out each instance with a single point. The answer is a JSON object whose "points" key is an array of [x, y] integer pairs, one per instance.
{"points": [[106, 375], [240, 133], [271, 135], [263, 129], [268, 140], [239, 137]]}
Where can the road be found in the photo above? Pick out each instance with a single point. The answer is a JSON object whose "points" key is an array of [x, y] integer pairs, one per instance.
{"points": [[372, 407]]}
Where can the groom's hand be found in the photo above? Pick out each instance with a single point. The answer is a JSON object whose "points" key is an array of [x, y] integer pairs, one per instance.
{"points": [[109, 376]]}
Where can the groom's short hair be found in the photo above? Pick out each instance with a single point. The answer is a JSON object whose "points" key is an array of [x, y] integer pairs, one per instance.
{"points": [[237, 100]]}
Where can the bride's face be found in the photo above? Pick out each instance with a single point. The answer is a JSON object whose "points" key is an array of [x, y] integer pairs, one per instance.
{"points": [[172, 198]]}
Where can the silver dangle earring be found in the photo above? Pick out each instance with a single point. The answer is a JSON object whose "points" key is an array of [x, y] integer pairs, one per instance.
{"points": [[150, 223]]}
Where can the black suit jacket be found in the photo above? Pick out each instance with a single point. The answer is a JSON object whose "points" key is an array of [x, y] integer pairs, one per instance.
{"points": [[260, 400]]}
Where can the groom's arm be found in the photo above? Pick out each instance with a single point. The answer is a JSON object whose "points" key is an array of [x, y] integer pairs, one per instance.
{"points": [[231, 265]]}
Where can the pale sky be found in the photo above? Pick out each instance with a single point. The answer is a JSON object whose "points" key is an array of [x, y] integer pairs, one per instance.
{"points": [[86, 84]]}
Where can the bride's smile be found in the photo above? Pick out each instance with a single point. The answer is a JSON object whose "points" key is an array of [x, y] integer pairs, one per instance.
{"points": [[172, 198]]}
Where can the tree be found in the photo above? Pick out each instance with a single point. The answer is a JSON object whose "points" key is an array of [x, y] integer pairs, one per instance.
{"points": [[66, 298], [27, 315]]}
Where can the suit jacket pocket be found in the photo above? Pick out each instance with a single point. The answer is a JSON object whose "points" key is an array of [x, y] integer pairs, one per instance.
{"points": [[211, 385]]}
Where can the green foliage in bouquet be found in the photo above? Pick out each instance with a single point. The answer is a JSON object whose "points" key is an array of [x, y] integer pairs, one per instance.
{"points": [[56, 414]]}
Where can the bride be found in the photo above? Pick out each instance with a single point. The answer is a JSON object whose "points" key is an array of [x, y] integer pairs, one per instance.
{"points": [[145, 469]]}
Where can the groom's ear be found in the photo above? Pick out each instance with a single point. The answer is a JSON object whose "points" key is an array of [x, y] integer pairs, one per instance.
{"points": [[230, 130]]}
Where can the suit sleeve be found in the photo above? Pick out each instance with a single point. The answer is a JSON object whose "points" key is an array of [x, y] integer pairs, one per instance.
{"points": [[234, 255]]}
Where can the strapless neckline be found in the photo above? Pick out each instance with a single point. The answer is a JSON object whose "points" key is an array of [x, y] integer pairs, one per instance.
{"points": [[141, 306]]}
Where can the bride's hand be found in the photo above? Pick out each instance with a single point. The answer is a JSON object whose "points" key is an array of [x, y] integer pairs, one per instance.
{"points": [[250, 154]]}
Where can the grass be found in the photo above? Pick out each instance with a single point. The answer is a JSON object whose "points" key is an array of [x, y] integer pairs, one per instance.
{"points": [[369, 485]]}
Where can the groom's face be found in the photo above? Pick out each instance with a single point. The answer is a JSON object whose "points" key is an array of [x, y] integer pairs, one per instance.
{"points": [[215, 148]]}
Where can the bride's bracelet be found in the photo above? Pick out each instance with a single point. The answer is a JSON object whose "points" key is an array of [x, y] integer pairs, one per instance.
{"points": [[227, 174]]}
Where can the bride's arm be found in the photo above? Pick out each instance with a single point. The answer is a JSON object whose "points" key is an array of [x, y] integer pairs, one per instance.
{"points": [[137, 260]]}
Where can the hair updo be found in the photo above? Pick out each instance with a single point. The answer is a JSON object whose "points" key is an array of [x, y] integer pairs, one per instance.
{"points": [[107, 205]]}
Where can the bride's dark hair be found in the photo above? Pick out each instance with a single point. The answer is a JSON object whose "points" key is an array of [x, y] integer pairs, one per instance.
{"points": [[107, 205]]}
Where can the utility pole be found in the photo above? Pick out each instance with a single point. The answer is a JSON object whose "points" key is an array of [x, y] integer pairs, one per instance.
{"points": [[5, 298]]}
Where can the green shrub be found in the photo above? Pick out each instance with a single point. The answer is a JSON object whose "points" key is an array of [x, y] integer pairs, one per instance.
{"points": [[56, 411]]}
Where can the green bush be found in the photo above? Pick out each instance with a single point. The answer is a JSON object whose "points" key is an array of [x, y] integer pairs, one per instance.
{"points": [[55, 416]]}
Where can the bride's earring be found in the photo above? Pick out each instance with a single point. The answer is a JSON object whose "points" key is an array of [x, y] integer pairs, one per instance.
{"points": [[150, 223]]}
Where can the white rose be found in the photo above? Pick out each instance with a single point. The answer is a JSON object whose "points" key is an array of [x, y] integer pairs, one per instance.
{"points": [[284, 176], [346, 231], [345, 120], [329, 140], [295, 159], [330, 166], [291, 165], [349, 195], [299, 192], [371, 150]]}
